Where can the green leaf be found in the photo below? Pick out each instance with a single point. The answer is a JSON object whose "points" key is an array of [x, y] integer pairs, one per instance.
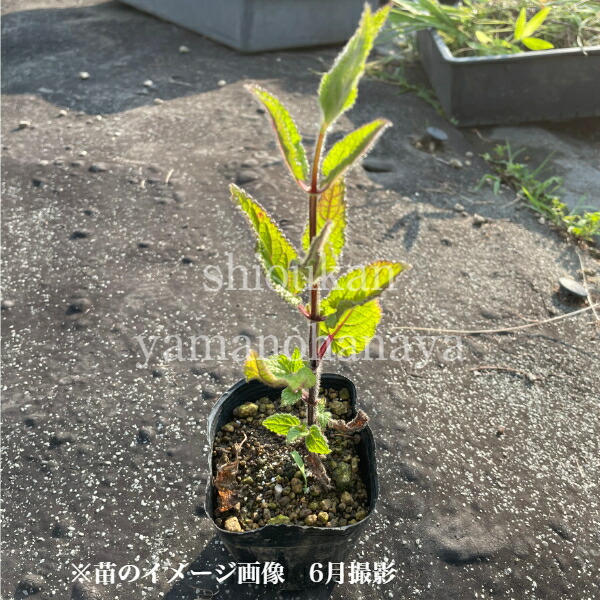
{"points": [[354, 329], [535, 23], [298, 460], [536, 43], [483, 37], [295, 361], [257, 368], [339, 87], [331, 206], [315, 262], [290, 141], [316, 441], [280, 371], [358, 287], [281, 423], [347, 151], [289, 397], [273, 249], [301, 380], [300, 463], [434, 9], [295, 432], [520, 24], [323, 416], [287, 364]]}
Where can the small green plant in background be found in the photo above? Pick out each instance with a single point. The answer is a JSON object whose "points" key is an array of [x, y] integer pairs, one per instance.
{"points": [[522, 32], [481, 27], [516, 174], [541, 194], [585, 226], [345, 320]]}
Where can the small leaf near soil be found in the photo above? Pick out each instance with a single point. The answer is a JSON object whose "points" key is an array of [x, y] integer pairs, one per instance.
{"points": [[316, 441], [295, 432], [281, 423]]}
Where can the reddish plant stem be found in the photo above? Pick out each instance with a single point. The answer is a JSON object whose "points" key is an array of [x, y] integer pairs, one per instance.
{"points": [[313, 331]]}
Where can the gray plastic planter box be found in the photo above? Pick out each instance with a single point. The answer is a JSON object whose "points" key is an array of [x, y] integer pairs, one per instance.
{"points": [[513, 88], [257, 25]]}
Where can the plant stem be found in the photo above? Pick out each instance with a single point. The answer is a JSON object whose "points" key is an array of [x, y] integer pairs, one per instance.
{"points": [[313, 331]]}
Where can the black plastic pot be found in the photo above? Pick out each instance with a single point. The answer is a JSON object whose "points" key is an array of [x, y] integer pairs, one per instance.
{"points": [[512, 88], [295, 547]]}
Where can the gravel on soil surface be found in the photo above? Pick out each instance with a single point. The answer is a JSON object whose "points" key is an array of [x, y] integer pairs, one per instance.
{"points": [[269, 486]]}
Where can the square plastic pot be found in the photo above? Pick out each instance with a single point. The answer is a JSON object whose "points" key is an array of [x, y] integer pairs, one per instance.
{"points": [[548, 85], [296, 547], [257, 25]]}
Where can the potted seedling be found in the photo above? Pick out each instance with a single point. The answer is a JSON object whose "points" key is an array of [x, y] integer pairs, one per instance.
{"points": [[257, 25], [508, 61], [293, 465]]}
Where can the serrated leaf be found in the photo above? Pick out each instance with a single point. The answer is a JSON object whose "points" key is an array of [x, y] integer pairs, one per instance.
{"points": [[295, 372], [289, 397], [331, 206], [279, 370], [354, 329], [536, 43], [339, 87], [257, 368], [358, 287], [316, 441], [295, 360], [294, 433], [520, 24], [304, 378], [535, 23], [281, 423], [348, 150], [275, 252], [290, 141], [323, 416]]}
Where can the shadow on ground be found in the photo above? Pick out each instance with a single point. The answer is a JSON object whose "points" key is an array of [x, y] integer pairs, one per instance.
{"points": [[45, 50]]}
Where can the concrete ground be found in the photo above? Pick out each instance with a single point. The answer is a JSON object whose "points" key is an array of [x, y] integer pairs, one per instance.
{"points": [[116, 211]]}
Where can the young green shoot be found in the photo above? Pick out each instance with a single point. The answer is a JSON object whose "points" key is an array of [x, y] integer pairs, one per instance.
{"points": [[300, 464]]}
